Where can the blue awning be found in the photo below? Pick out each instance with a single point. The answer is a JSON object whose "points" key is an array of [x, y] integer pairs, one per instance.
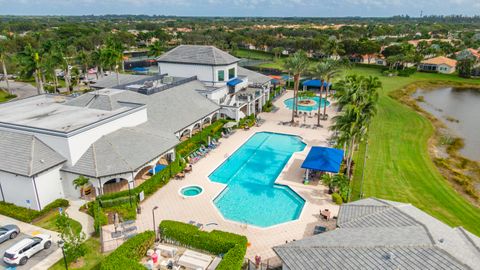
{"points": [[316, 83], [323, 159], [157, 169], [234, 82]]}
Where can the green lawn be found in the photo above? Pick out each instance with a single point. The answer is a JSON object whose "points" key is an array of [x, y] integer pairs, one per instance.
{"points": [[399, 166], [92, 259], [48, 222], [4, 96]]}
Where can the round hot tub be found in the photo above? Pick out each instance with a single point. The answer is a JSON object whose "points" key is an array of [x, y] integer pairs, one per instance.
{"points": [[190, 191]]}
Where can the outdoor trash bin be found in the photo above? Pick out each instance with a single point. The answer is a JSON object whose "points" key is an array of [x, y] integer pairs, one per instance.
{"points": [[154, 257]]}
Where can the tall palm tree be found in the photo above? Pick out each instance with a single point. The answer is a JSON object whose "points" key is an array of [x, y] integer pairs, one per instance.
{"points": [[320, 72], [297, 64], [30, 60], [3, 58], [85, 59], [156, 49]]}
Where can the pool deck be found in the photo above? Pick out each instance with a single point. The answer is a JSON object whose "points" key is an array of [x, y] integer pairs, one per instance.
{"points": [[202, 210]]}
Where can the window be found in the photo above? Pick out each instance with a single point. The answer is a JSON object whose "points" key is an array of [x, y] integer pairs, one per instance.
{"points": [[221, 75], [231, 73]]}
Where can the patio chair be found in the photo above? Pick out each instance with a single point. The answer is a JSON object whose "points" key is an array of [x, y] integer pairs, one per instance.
{"points": [[319, 230]]}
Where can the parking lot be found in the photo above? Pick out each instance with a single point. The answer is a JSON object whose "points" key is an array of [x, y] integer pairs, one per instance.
{"points": [[33, 260]]}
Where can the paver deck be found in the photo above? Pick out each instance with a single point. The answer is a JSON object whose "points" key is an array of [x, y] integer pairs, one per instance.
{"points": [[201, 208]]}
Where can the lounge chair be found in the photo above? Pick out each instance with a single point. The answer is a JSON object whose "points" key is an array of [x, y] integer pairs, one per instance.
{"points": [[319, 230]]}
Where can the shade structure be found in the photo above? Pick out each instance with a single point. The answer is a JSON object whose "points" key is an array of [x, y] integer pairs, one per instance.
{"points": [[157, 169], [323, 159], [315, 83], [230, 124], [234, 82]]}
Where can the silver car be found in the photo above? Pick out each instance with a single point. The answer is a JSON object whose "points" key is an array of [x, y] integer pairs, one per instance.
{"points": [[8, 232]]}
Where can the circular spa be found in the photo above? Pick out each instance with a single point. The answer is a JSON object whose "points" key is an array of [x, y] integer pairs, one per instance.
{"points": [[190, 191], [306, 104]]}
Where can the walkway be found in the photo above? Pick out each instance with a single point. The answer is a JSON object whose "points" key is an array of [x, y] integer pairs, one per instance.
{"points": [[21, 89], [86, 220]]}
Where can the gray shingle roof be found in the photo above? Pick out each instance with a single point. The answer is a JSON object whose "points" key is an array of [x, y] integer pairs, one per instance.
{"points": [[197, 54], [381, 234], [253, 77], [25, 154], [99, 102], [122, 151], [128, 149]]}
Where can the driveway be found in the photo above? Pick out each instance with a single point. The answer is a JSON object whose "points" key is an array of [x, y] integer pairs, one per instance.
{"points": [[21, 89], [42, 260], [33, 260]]}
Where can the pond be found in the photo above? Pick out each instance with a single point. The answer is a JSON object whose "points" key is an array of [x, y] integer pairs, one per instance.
{"points": [[459, 110]]}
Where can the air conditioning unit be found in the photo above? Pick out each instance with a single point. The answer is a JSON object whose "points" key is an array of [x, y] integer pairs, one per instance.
{"points": [[167, 79]]}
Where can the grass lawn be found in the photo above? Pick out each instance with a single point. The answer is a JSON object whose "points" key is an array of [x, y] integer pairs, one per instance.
{"points": [[48, 222], [4, 96], [251, 54], [399, 166], [92, 259]]}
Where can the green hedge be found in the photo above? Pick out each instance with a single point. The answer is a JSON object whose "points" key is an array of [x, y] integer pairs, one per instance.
{"points": [[28, 215], [201, 138], [128, 255], [99, 217], [232, 246]]}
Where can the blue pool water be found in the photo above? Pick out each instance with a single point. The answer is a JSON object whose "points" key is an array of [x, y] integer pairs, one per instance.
{"points": [[191, 191], [251, 196], [289, 104]]}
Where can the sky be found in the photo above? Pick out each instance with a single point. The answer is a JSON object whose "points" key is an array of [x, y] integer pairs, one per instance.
{"points": [[254, 8]]}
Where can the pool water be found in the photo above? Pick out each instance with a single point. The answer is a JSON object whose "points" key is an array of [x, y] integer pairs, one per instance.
{"points": [[191, 191], [289, 103], [251, 195]]}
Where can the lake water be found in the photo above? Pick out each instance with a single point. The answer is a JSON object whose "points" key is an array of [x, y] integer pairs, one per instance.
{"points": [[449, 104]]}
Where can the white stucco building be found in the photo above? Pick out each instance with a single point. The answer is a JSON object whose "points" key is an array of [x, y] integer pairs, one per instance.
{"points": [[239, 91], [129, 125]]}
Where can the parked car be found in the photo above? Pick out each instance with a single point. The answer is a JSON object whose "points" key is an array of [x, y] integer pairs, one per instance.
{"points": [[8, 232], [19, 253]]}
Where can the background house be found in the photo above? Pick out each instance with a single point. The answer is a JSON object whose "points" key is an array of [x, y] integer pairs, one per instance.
{"points": [[439, 64]]}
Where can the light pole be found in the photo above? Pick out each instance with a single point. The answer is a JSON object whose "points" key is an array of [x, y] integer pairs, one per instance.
{"points": [[61, 244], [154, 226]]}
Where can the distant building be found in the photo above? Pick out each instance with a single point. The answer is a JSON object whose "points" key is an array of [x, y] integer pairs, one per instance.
{"points": [[439, 64], [380, 234]]}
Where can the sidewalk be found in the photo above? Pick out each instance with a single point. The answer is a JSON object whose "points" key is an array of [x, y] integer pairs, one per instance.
{"points": [[85, 220]]}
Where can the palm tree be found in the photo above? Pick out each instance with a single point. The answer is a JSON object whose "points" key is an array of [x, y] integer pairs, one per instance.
{"points": [[85, 59], [30, 60], [320, 72], [297, 64], [80, 182], [358, 96], [156, 49], [3, 58]]}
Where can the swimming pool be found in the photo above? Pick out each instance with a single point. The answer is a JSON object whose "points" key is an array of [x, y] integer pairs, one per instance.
{"points": [[309, 108], [251, 195]]}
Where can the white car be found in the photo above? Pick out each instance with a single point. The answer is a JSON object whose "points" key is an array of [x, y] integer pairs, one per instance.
{"points": [[19, 253]]}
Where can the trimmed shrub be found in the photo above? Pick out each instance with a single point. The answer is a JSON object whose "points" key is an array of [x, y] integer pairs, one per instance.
{"points": [[337, 199], [99, 217], [201, 138], [128, 255], [232, 246], [28, 215]]}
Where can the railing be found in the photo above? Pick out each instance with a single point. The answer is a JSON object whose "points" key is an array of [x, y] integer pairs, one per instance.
{"points": [[270, 264], [151, 91]]}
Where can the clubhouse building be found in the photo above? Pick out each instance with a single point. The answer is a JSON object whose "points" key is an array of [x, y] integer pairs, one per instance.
{"points": [[119, 132]]}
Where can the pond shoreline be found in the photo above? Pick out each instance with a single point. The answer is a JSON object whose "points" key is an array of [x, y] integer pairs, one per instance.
{"points": [[460, 171]]}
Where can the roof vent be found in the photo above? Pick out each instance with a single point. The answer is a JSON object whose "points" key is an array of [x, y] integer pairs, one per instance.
{"points": [[389, 256], [42, 161], [441, 240]]}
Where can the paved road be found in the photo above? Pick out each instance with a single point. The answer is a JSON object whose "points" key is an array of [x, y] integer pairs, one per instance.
{"points": [[21, 89]]}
